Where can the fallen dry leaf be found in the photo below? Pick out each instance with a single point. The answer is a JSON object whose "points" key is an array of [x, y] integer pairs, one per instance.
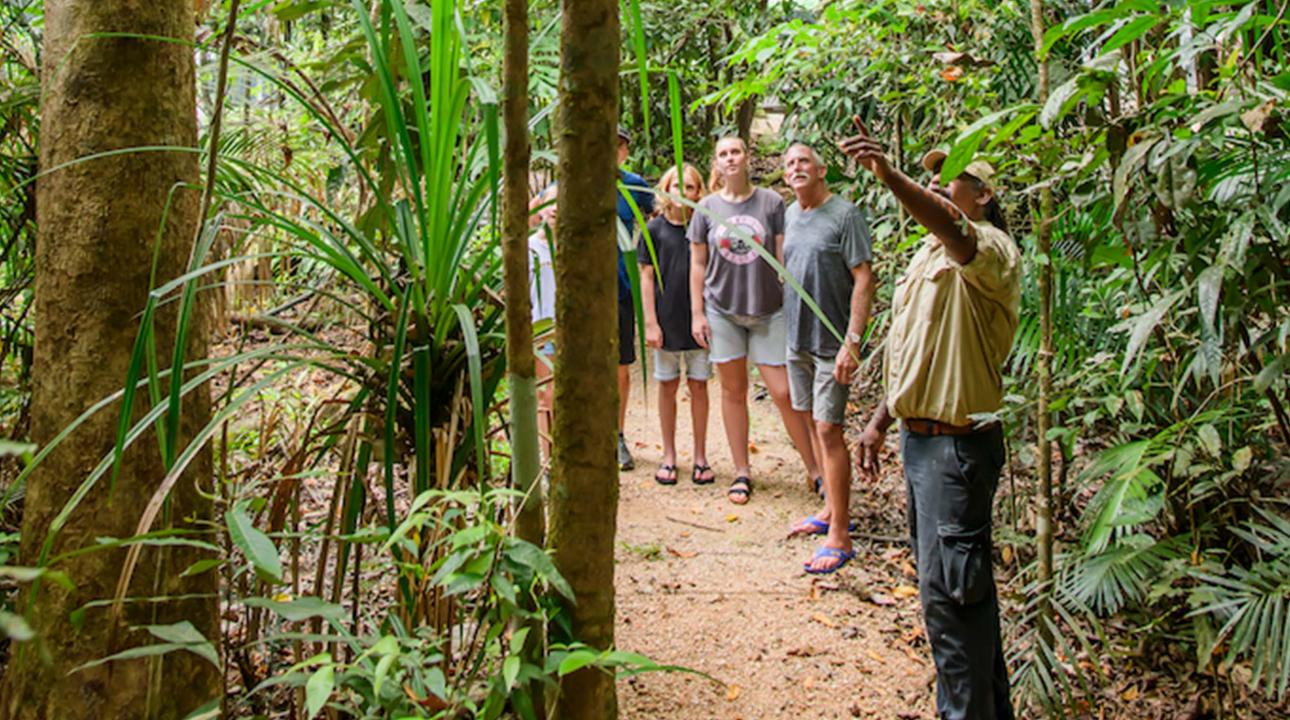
{"points": [[683, 554], [1130, 694], [824, 620], [904, 591], [732, 692], [732, 518], [875, 657], [808, 683], [951, 73], [881, 599], [1007, 554], [752, 449]]}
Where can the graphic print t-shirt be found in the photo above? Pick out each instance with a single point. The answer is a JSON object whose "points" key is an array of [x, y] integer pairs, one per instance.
{"points": [[738, 280]]}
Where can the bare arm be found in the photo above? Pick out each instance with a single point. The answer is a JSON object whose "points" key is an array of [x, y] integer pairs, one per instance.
{"points": [[940, 216], [848, 359], [698, 268], [653, 333]]}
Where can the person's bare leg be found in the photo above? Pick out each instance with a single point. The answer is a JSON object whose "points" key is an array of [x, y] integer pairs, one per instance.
{"points": [[624, 394], [799, 429], [667, 421], [734, 410], [699, 420], [817, 447], [544, 397], [837, 483]]}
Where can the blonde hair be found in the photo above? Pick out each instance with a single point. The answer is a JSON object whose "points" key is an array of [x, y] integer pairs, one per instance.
{"points": [[715, 179], [667, 204]]}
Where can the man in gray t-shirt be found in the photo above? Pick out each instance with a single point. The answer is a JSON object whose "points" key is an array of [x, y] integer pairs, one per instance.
{"points": [[827, 251]]}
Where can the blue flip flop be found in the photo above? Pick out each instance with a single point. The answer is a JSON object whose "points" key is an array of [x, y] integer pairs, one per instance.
{"points": [[842, 555], [819, 527]]}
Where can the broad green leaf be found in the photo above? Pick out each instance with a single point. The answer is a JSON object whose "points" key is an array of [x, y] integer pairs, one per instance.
{"points": [[1210, 440], [960, 155], [576, 660], [1209, 286], [1272, 372], [1131, 31], [510, 670], [1242, 458], [301, 609], [201, 566], [184, 633], [382, 671], [257, 546], [1144, 326], [318, 689], [1059, 100]]}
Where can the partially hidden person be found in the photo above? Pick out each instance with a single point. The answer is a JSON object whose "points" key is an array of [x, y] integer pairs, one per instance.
{"points": [[628, 228], [736, 303], [665, 298], [542, 301], [828, 251], [953, 316]]}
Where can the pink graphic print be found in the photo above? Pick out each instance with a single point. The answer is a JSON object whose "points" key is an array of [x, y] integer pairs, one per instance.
{"points": [[733, 247]]}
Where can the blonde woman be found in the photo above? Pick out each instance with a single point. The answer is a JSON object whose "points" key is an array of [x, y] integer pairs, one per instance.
{"points": [[736, 303], [665, 298]]}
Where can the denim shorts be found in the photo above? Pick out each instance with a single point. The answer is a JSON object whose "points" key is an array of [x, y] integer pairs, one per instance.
{"points": [[763, 340], [667, 365]]}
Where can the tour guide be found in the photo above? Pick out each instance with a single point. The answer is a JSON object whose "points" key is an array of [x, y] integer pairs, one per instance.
{"points": [[953, 317]]}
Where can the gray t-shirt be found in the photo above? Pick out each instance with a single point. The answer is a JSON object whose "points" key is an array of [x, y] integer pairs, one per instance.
{"points": [[738, 280], [821, 246]]}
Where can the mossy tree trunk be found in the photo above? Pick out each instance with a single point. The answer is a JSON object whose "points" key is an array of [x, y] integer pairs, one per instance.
{"points": [[520, 364], [97, 222], [584, 482]]}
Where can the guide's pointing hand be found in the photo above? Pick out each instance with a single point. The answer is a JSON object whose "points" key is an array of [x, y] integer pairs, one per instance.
{"points": [[868, 152]]}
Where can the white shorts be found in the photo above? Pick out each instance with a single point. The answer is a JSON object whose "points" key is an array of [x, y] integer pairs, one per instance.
{"points": [[667, 365], [763, 340]]}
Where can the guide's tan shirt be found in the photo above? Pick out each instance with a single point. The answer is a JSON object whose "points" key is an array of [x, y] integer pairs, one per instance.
{"points": [[952, 328]]}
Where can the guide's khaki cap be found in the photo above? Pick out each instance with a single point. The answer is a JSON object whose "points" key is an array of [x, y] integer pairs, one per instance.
{"points": [[979, 169]]}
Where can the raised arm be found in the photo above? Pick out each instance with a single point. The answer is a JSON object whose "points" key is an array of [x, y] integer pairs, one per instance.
{"points": [[940, 216]]}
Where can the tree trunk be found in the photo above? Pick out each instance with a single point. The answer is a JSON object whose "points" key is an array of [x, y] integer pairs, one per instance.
{"points": [[584, 484], [1043, 365], [96, 227], [526, 463]]}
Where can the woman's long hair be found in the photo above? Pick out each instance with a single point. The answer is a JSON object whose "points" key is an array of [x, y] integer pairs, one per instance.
{"points": [[667, 204], [716, 181]]}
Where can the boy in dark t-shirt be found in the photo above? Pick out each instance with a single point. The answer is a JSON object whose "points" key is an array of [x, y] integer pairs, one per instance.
{"points": [[665, 298]]}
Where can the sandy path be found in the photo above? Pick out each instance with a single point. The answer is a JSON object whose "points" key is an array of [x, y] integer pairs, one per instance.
{"points": [[715, 587]]}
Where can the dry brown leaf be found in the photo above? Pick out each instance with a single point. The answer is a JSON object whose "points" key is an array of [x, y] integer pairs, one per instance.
{"points": [[808, 683], [683, 554], [904, 591], [824, 620], [732, 518], [752, 448], [875, 657], [951, 73], [1007, 553], [732, 692], [1130, 694]]}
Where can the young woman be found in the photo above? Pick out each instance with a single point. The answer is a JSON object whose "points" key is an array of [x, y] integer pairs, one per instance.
{"points": [[736, 298], [666, 304]]}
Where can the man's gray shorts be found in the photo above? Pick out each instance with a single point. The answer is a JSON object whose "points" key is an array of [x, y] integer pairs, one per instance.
{"points": [[763, 340], [812, 387]]}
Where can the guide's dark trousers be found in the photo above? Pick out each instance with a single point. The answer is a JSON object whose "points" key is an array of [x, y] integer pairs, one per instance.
{"points": [[951, 481]]}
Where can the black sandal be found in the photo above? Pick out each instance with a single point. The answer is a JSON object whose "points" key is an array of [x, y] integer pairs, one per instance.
{"points": [[662, 479], [697, 475], [742, 486]]}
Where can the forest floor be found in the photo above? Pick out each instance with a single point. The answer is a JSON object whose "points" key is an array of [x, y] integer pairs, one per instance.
{"points": [[717, 588]]}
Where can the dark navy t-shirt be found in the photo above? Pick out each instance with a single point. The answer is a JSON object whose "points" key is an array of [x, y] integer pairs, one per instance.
{"points": [[645, 202]]}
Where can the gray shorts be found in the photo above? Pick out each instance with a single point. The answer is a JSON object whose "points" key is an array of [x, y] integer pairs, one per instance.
{"points": [[667, 365], [763, 340], [812, 387]]}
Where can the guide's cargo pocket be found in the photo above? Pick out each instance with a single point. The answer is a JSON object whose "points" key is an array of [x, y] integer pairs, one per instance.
{"points": [[965, 563]]}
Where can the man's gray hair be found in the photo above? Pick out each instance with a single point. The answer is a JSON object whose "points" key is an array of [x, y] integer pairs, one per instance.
{"points": [[815, 155]]}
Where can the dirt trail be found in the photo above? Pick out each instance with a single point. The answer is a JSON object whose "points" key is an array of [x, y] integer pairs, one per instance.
{"points": [[715, 587]]}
